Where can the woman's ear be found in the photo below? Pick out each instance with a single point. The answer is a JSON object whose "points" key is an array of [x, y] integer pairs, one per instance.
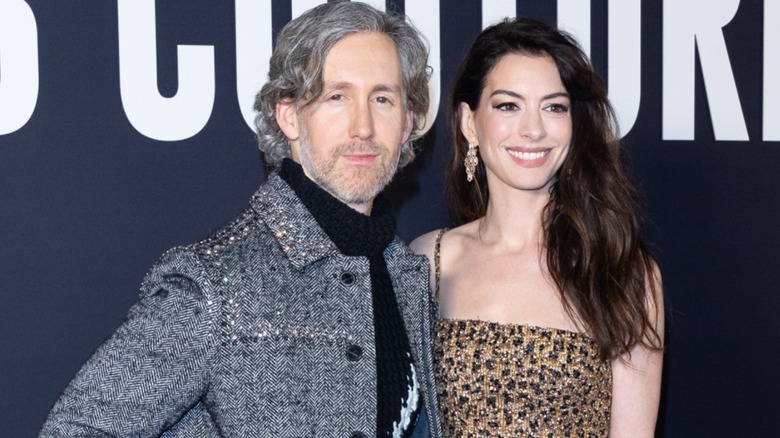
{"points": [[468, 124]]}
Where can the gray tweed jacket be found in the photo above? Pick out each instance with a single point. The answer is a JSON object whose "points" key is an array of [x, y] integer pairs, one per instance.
{"points": [[264, 329]]}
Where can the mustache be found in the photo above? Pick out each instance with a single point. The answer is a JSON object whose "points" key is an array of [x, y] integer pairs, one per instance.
{"points": [[362, 147]]}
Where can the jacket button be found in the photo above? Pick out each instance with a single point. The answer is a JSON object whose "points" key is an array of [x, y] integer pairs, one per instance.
{"points": [[354, 353], [357, 435], [347, 278]]}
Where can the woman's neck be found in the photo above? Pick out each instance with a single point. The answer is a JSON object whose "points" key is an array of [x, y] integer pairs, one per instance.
{"points": [[514, 217]]}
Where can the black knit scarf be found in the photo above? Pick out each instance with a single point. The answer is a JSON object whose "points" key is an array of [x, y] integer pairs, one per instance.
{"points": [[356, 234]]}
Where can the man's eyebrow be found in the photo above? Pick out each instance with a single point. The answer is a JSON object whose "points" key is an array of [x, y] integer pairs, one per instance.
{"points": [[344, 85], [388, 88], [336, 85]]}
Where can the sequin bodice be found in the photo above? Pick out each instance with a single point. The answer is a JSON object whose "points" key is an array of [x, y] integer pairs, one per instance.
{"points": [[513, 380]]}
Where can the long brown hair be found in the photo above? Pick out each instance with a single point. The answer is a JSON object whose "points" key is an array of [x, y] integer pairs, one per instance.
{"points": [[595, 252]]}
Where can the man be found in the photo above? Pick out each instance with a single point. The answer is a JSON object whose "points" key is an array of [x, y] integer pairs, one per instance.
{"points": [[304, 316]]}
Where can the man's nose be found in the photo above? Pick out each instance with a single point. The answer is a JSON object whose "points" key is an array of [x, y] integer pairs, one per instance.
{"points": [[362, 123]]}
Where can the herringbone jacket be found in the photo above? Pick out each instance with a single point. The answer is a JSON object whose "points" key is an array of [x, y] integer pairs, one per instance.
{"points": [[264, 329]]}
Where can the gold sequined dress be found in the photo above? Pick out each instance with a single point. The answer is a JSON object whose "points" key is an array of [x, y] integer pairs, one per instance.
{"points": [[510, 380]]}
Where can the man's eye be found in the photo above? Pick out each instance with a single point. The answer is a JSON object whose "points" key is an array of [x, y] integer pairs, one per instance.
{"points": [[336, 97], [383, 99]]}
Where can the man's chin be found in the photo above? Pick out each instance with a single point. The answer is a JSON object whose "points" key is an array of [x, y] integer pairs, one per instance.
{"points": [[356, 193], [359, 197]]}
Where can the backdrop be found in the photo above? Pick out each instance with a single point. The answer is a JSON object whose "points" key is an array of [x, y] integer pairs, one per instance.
{"points": [[124, 131]]}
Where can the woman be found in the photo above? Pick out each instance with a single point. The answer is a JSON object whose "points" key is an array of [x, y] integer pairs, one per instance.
{"points": [[550, 306]]}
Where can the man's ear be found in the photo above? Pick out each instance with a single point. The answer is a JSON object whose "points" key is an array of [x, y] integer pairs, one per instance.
{"points": [[287, 118], [408, 125]]}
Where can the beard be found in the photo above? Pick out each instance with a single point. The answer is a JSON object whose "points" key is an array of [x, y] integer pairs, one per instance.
{"points": [[350, 184]]}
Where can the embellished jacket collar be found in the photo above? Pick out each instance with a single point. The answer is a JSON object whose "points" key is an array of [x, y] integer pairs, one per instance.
{"points": [[298, 233], [300, 236]]}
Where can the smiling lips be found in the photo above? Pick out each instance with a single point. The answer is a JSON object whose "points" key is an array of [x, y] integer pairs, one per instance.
{"points": [[535, 158]]}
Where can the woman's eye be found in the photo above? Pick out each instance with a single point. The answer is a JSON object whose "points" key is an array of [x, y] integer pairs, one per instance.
{"points": [[506, 106], [558, 108]]}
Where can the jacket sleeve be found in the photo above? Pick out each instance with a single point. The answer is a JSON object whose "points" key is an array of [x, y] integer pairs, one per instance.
{"points": [[154, 367]]}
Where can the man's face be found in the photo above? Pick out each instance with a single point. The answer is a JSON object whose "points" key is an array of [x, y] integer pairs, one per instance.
{"points": [[349, 140]]}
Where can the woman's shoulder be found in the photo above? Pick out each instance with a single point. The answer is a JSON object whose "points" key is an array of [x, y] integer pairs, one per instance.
{"points": [[424, 244]]}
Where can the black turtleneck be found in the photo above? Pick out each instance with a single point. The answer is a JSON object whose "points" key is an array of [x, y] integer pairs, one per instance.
{"points": [[356, 234]]}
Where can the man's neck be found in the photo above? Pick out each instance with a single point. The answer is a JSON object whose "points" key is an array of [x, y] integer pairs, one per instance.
{"points": [[364, 208]]}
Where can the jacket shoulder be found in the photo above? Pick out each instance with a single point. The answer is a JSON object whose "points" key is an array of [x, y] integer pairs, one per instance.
{"points": [[200, 263]]}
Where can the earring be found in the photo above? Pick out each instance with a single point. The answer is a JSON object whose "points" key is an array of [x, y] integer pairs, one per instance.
{"points": [[471, 162]]}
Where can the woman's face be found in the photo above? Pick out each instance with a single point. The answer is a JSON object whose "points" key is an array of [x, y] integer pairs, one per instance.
{"points": [[522, 125]]}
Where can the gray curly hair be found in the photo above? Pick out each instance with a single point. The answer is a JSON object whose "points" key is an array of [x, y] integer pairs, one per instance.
{"points": [[296, 66]]}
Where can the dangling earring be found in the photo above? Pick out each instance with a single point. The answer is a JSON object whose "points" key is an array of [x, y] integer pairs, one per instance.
{"points": [[471, 162]]}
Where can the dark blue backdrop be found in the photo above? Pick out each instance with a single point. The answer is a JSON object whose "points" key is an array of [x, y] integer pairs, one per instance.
{"points": [[88, 203]]}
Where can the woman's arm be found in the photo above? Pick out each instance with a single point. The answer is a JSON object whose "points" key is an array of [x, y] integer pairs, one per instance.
{"points": [[636, 379]]}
